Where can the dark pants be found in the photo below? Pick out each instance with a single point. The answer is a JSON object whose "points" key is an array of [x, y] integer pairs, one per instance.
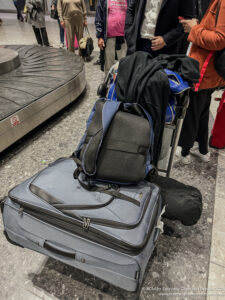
{"points": [[195, 126], [18, 8], [41, 35], [61, 32]]}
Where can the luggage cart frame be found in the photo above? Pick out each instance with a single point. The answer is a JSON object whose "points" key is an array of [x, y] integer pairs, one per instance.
{"points": [[182, 101]]}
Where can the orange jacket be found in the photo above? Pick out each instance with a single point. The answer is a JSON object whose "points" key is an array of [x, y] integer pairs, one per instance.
{"points": [[207, 37]]}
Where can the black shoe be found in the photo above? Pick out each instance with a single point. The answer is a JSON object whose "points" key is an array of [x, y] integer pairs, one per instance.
{"points": [[97, 62]]}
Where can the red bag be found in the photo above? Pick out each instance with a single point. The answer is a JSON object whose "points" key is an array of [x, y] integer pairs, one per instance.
{"points": [[217, 139]]}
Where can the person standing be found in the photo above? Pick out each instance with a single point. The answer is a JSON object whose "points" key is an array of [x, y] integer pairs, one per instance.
{"points": [[36, 10], [61, 29], [153, 25], [73, 17], [19, 4], [200, 9], [207, 38], [109, 23]]}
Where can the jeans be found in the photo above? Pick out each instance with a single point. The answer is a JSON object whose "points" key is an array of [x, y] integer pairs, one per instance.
{"points": [[61, 32]]}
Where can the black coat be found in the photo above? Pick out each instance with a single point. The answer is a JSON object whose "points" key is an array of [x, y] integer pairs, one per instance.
{"points": [[167, 25], [141, 79]]}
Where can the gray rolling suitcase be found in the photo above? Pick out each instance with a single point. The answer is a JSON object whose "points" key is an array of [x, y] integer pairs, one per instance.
{"points": [[107, 236]]}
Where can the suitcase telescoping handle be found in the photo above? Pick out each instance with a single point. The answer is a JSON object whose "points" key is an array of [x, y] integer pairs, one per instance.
{"points": [[59, 249]]}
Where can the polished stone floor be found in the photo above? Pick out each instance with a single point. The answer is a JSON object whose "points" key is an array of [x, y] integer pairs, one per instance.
{"points": [[185, 266], [14, 32]]}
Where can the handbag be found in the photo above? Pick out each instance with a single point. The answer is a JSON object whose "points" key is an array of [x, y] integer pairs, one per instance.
{"points": [[86, 44], [54, 14], [219, 61]]}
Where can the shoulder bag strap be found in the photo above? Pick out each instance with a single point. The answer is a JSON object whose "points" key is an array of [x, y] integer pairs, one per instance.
{"points": [[93, 147], [109, 189], [86, 29]]}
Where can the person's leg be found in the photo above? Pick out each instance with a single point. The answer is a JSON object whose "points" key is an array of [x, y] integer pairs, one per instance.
{"points": [[203, 129], [70, 34], [61, 33], [37, 35], [44, 36], [109, 54], [18, 9], [79, 29], [122, 52], [191, 124]]}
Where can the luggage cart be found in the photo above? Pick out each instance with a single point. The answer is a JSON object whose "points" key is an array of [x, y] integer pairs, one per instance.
{"points": [[172, 129], [171, 134]]}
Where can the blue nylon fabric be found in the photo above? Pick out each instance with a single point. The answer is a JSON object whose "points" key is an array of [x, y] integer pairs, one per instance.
{"points": [[88, 122], [170, 110], [108, 112], [112, 92], [177, 84]]}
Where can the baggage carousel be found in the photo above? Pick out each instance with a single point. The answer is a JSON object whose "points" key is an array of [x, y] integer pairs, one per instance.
{"points": [[35, 83]]}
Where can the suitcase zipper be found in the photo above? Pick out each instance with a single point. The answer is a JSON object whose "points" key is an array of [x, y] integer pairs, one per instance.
{"points": [[121, 225], [85, 230], [63, 208]]}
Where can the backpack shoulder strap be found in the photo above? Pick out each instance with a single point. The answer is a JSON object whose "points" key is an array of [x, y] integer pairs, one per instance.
{"points": [[103, 120]]}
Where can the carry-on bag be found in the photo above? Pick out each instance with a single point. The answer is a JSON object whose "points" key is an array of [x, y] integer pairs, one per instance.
{"points": [[117, 144], [182, 202], [217, 139], [86, 44], [110, 234]]}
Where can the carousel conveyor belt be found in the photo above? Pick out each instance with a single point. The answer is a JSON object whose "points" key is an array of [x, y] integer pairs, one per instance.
{"points": [[35, 83]]}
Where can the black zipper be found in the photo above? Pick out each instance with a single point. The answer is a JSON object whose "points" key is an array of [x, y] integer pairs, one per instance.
{"points": [[82, 227]]}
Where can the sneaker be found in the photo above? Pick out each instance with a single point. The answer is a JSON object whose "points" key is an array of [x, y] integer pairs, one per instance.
{"points": [[202, 157], [185, 159], [61, 45], [178, 151]]}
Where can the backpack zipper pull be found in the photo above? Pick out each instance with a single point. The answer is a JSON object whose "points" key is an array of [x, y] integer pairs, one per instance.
{"points": [[86, 223]]}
